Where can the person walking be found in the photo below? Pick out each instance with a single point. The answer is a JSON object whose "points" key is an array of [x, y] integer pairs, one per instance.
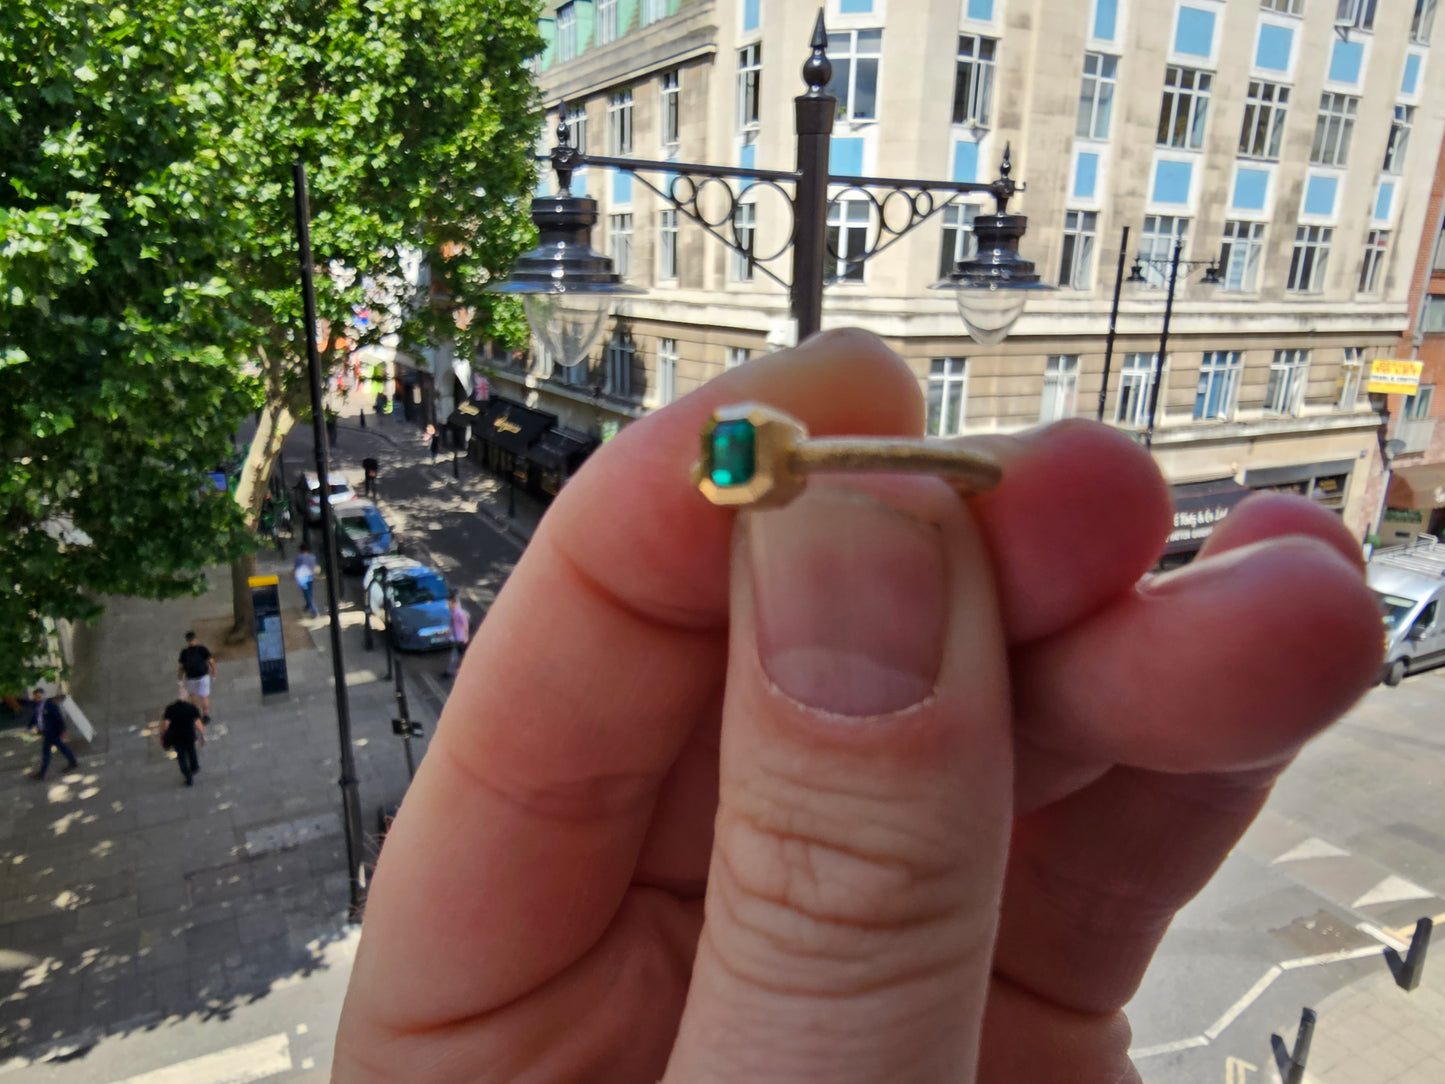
{"points": [[433, 441], [195, 669], [461, 627], [181, 730], [369, 467], [305, 572], [49, 722]]}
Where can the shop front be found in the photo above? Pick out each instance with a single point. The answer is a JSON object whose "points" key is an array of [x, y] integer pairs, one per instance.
{"points": [[1414, 504], [504, 434], [556, 457], [1327, 484], [1198, 509]]}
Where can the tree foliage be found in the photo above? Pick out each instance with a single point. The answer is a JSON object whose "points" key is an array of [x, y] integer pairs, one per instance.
{"points": [[149, 294]]}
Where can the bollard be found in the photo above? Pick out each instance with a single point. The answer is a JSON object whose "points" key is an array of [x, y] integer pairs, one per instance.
{"points": [[1292, 1064], [1407, 972]]}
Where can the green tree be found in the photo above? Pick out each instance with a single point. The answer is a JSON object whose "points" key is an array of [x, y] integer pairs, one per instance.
{"points": [[417, 120], [116, 339]]}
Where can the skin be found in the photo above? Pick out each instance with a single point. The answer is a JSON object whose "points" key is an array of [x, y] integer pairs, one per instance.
{"points": [[634, 852]]}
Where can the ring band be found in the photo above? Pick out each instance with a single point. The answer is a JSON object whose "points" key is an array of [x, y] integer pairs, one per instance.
{"points": [[756, 456]]}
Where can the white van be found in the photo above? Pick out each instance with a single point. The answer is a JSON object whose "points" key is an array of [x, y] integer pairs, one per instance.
{"points": [[1409, 583]]}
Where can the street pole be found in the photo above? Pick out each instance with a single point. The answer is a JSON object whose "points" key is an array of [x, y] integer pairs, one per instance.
{"points": [[1163, 344], [814, 112], [350, 802], [402, 713], [1113, 320]]}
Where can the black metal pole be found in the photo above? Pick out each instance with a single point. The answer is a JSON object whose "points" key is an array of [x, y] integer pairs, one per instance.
{"points": [[1113, 320], [350, 802], [1163, 345], [814, 113], [405, 717]]}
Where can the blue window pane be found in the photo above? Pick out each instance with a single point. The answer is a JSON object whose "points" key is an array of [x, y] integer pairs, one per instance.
{"points": [[1345, 61], [965, 161], [747, 156], [846, 158], [1411, 83], [750, 14], [1384, 201], [1320, 195], [1272, 52], [981, 9], [1106, 19], [856, 7], [1250, 188], [1194, 35], [1171, 181], [1086, 175], [621, 187]]}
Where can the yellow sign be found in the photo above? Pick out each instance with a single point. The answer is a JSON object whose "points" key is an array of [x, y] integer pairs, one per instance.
{"points": [[1394, 376], [260, 581], [506, 425]]}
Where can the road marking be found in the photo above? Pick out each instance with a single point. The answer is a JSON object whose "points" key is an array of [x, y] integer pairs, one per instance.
{"points": [[1311, 848], [1393, 889], [1383, 936], [1168, 1048], [1330, 958], [1237, 1070], [1232, 1013], [238, 1065]]}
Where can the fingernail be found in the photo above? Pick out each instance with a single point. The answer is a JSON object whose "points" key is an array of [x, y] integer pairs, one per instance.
{"points": [[850, 602]]}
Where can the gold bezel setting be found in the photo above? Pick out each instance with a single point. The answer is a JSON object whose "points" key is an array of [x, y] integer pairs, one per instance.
{"points": [[772, 483]]}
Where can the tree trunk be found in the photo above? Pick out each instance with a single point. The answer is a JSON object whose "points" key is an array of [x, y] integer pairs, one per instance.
{"points": [[276, 423], [242, 613]]}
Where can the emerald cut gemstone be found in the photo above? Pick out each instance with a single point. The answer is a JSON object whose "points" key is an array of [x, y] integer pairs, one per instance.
{"points": [[730, 453]]}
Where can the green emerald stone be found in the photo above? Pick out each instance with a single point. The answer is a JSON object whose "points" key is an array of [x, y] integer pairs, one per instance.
{"points": [[729, 451]]}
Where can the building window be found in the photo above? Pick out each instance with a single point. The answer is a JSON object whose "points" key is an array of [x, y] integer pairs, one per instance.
{"points": [[1264, 111], [566, 32], [1347, 391], [1241, 252], [973, 81], [1096, 95], [1136, 377], [667, 245], [1285, 7], [1218, 389], [1307, 262], [1156, 245], [619, 121], [750, 72], [671, 121], [606, 21], [575, 376], [1423, 22], [855, 55], [1399, 140], [737, 355], [1432, 315], [959, 243], [1357, 13], [666, 371], [653, 11], [1334, 129], [1076, 268], [1061, 386], [1417, 406], [1185, 107], [848, 237], [618, 359], [619, 234], [745, 221], [1373, 266], [1285, 393], [577, 126], [947, 396]]}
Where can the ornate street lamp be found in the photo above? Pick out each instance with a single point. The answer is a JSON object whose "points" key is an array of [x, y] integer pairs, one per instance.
{"points": [[568, 288]]}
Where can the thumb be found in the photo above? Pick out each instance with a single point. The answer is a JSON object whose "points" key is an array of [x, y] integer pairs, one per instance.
{"points": [[865, 796]]}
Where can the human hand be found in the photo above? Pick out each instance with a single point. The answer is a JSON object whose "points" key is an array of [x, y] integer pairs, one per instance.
{"points": [[880, 786]]}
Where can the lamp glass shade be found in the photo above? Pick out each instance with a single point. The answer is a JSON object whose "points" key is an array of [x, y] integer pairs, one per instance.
{"points": [[989, 311], [567, 323]]}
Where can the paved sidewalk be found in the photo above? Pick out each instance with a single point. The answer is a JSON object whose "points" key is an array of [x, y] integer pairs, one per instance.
{"points": [[128, 899]]}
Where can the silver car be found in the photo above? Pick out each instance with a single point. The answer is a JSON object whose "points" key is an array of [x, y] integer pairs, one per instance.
{"points": [[1409, 584]]}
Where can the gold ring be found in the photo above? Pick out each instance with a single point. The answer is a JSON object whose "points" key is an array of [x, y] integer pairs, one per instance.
{"points": [[756, 456]]}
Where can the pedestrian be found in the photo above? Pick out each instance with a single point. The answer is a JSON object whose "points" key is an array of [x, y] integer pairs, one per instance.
{"points": [[433, 441], [305, 572], [369, 467], [49, 722], [181, 730], [382, 405], [196, 668], [461, 628]]}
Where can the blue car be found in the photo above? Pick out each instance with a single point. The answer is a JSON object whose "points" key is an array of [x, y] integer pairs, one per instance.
{"points": [[412, 598], [362, 534]]}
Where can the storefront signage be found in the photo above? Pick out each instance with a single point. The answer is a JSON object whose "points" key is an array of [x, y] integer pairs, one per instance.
{"points": [[1196, 524], [1405, 515], [609, 429], [505, 424], [1394, 376]]}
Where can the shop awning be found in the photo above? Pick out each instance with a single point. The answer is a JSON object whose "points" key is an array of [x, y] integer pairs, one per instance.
{"points": [[1198, 508], [561, 450], [1417, 487], [466, 415], [511, 426]]}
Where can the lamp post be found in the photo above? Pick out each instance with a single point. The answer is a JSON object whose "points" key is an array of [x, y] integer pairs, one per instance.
{"points": [[568, 287]]}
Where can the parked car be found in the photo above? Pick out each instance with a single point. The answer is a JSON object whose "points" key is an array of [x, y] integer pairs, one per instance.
{"points": [[362, 533], [413, 598], [308, 494], [1409, 584]]}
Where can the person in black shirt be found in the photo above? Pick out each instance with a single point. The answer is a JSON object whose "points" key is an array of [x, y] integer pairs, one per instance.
{"points": [[195, 668], [181, 727], [369, 467], [49, 722]]}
